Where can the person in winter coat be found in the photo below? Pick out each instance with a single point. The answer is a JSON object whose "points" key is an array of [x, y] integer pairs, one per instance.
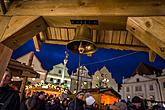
{"points": [[78, 103], [137, 104], [9, 98], [90, 101], [65, 104], [36, 102]]}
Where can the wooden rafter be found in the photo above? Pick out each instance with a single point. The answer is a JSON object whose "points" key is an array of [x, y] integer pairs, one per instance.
{"points": [[4, 58], [14, 24], [153, 25], [4, 21], [152, 56], [134, 25], [36, 41], [99, 45], [20, 29], [88, 8]]}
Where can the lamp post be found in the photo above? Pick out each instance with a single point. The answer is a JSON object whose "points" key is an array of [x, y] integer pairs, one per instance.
{"points": [[65, 62], [78, 75]]}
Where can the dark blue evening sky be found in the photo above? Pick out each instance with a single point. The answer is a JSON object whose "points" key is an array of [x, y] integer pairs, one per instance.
{"points": [[120, 63]]}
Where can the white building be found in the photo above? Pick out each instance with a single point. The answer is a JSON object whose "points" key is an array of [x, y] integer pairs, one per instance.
{"points": [[149, 86], [56, 75], [103, 78], [36, 64], [85, 81]]}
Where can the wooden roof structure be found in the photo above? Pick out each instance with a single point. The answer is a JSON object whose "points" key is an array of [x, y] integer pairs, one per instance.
{"points": [[137, 25], [22, 70]]}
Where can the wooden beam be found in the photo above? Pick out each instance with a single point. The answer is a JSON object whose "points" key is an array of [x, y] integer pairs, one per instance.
{"points": [[88, 8], [16, 23], [3, 9], [99, 45], [22, 28], [123, 47], [153, 25], [42, 36], [4, 58], [4, 21], [152, 56], [29, 63], [56, 42], [36, 43], [145, 37]]}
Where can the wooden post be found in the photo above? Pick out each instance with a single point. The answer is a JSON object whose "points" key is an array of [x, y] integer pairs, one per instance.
{"points": [[23, 87], [4, 58], [152, 56], [25, 78]]}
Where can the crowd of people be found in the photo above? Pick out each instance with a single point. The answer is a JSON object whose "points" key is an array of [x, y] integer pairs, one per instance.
{"points": [[41, 101], [10, 100]]}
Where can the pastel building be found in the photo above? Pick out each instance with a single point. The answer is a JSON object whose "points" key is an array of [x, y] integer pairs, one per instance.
{"points": [[59, 74], [146, 82], [103, 78], [85, 81]]}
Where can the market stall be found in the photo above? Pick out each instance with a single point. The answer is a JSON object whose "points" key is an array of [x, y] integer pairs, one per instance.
{"points": [[49, 89], [104, 96]]}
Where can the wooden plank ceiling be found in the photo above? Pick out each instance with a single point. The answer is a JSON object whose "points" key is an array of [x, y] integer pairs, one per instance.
{"points": [[122, 24], [102, 38]]}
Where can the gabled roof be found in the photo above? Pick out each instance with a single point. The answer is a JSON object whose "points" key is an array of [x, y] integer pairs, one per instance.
{"points": [[22, 70], [146, 69]]}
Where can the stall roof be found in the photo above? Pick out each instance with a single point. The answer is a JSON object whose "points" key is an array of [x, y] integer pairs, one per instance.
{"points": [[22, 70]]}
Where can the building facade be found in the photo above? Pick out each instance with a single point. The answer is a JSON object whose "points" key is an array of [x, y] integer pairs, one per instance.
{"points": [[85, 81], [55, 76], [36, 64], [103, 78], [147, 86]]}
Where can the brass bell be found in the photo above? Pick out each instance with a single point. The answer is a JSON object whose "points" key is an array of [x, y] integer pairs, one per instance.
{"points": [[82, 42]]}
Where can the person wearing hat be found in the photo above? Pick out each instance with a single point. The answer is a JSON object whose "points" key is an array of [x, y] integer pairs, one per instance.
{"points": [[137, 104], [90, 101], [77, 103]]}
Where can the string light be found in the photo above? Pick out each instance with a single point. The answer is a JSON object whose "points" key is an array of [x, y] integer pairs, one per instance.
{"points": [[110, 59]]}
